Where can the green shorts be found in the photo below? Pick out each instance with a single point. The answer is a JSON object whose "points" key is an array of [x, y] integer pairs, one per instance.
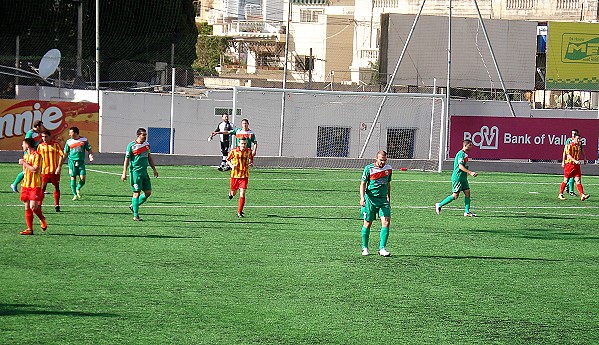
{"points": [[140, 182], [370, 209], [459, 185], [76, 168]]}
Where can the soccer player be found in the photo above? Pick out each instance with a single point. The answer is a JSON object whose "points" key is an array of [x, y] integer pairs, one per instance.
{"points": [[570, 185], [375, 197], [75, 148], [243, 133], [31, 186], [573, 153], [225, 142], [33, 133], [459, 180], [137, 158], [52, 157], [240, 159]]}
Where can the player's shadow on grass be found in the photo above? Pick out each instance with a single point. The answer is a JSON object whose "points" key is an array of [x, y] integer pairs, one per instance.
{"points": [[127, 236], [528, 215], [30, 309], [310, 217], [476, 257], [305, 190]]}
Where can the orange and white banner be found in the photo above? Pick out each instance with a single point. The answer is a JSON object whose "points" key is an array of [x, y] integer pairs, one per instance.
{"points": [[17, 117]]}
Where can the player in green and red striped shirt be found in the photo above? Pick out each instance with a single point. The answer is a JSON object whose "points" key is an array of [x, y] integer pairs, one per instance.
{"points": [[459, 180], [375, 196], [137, 159], [74, 149]]}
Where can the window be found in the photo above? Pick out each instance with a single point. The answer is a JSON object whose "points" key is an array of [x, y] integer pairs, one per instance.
{"points": [[332, 142], [400, 143], [309, 15]]}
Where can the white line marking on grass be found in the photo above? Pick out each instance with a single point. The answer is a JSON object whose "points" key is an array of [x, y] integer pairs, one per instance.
{"points": [[415, 207], [227, 177]]}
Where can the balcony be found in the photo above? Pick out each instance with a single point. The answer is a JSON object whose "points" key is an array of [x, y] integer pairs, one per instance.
{"points": [[252, 29], [370, 54]]}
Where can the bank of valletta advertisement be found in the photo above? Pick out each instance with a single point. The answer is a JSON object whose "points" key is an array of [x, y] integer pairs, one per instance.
{"points": [[521, 137]]}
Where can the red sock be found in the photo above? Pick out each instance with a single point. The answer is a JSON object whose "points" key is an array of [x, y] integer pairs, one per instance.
{"points": [[38, 213], [29, 218], [562, 187], [579, 186], [241, 203], [56, 197]]}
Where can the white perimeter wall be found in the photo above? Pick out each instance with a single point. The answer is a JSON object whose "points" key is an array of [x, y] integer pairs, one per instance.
{"points": [[122, 113]]}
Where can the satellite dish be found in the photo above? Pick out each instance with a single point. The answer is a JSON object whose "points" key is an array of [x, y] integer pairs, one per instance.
{"points": [[49, 63]]}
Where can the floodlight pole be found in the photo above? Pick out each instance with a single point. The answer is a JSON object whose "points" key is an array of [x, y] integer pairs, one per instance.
{"points": [[284, 99], [79, 36], [100, 132]]}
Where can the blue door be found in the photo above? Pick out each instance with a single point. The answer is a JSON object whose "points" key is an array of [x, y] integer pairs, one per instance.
{"points": [[160, 139]]}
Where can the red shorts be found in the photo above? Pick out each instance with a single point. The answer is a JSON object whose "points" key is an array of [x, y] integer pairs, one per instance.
{"points": [[239, 183], [572, 170], [32, 194], [51, 178]]}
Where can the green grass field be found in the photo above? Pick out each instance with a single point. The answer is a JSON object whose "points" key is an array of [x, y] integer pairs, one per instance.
{"points": [[525, 271]]}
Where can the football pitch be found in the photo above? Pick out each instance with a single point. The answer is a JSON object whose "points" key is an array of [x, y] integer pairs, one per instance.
{"points": [[525, 271]]}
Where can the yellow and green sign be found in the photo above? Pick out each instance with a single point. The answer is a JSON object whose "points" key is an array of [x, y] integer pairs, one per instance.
{"points": [[572, 56]]}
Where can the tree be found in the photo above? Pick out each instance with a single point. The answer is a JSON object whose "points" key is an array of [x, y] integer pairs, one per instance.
{"points": [[209, 50]]}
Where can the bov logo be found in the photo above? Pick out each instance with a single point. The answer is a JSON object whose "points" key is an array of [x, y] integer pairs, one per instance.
{"points": [[485, 139], [580, 48]]}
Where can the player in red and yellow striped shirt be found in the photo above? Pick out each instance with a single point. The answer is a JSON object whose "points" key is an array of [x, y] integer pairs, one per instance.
{"points": [[240, 160], [573, 153], [52, 155], [31, 186]]}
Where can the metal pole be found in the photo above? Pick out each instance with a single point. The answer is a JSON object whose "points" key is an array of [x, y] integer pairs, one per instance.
{"points": [[310, 62], [448, 91], [430, 140], [100, 120], [79, 36], [441, 137], [172, 136], [482, 24], [172, 55], [234, 110], [283, 99], [17, 60]]}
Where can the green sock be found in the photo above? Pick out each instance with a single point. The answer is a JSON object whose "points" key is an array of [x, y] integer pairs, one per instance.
{"points": [[142, 198], [446, 201], [384, 237], [81, 184], [365, 236], [467, 204], [19, 178], [135, 206], [571, 184], [74, 186]]}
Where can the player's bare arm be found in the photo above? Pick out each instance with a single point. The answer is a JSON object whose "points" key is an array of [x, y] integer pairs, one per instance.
{"points": [[125, 166], [29, 167], [151, 161], [362, 191], [59, 165], [469, 172]]}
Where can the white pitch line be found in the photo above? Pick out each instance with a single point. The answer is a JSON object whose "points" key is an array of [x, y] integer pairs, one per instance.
{"points": [[397, 180], [508, 209]]}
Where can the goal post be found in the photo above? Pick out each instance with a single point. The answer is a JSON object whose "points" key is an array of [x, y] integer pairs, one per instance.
{"points": [[338, 129]]}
